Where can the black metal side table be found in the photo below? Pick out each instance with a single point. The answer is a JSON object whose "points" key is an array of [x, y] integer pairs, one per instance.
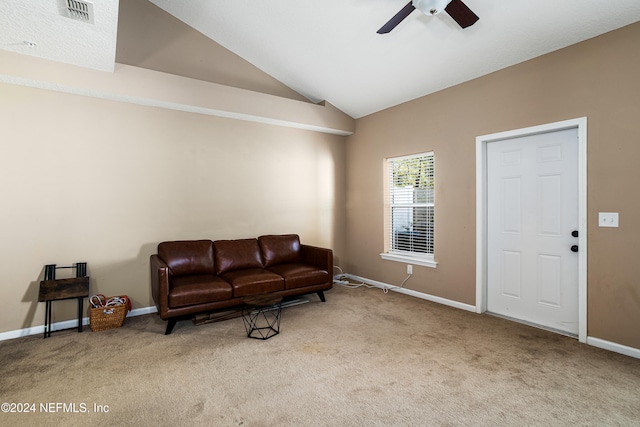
{"points": [[52, 289], [261, 316]]}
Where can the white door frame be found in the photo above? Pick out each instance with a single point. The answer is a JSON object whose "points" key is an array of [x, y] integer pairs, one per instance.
{"points": [[481, 211]]}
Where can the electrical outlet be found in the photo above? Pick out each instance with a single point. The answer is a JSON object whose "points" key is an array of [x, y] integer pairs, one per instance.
{"points": [[409, 269]]}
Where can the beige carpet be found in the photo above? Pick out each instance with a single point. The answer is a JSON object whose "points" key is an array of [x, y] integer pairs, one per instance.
{"points": [[363, 358]]}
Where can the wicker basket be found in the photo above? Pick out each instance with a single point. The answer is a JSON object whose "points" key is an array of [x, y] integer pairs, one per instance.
{"points": [[103, 318]]}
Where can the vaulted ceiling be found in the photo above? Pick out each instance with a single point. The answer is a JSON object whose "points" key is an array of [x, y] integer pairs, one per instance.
{"points": [[329, 50]]}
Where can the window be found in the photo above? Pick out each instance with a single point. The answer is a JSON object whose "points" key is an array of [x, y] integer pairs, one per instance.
{"points": [[410, 203]]}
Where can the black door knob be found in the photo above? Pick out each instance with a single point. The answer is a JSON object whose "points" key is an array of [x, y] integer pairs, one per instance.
{"points": [[574, 248], [574, 233]]}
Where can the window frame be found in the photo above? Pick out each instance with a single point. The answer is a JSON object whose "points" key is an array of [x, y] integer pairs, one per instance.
{"points": [[391, 254]]}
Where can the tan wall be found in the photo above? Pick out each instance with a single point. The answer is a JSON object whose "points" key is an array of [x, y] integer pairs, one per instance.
{"points": [[86, 179], [597, 79], [149, 37]]}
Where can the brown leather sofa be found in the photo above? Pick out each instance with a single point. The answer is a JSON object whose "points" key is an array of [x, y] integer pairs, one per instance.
{"points": [[201, 276]]}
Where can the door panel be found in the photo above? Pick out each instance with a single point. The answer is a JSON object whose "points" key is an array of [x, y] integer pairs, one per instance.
{"points": [[532, 208]]}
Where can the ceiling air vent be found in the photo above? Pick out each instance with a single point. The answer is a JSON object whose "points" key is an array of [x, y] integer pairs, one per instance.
{"points": [[79, 10]]}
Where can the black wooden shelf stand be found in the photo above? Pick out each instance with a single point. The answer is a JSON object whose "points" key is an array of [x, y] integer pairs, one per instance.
{"points": [[52, 289]]}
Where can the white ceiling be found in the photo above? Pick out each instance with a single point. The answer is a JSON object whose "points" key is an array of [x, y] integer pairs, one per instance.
{"points": [[329, 49]]}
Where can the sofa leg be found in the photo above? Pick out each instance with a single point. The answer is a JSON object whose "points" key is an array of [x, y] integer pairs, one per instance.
{"points": [[321, 295], [170, 324]]}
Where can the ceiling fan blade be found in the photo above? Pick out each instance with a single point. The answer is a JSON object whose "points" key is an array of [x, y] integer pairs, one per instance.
{"points": [[461, 13], [393, 22]]}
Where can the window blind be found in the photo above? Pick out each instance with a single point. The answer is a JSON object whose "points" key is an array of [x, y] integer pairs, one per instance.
{"points": [[411, 204]]}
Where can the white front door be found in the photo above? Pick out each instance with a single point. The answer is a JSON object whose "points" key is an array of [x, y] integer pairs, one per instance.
{"points": [[532, 211]]}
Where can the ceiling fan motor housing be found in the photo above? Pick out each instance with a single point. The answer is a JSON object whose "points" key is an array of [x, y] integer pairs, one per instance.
{"points": [[430, 7]]}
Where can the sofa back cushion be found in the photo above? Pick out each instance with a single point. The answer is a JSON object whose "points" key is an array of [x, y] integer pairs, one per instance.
{"points": [[280, 249], [187, 256], [237, 254]]}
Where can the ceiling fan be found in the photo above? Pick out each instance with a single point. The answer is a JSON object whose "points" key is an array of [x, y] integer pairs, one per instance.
{"points": [[455, 8]]}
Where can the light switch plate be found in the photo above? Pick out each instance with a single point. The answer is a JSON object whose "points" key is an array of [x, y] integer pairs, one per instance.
{"points": [[608, 219]]}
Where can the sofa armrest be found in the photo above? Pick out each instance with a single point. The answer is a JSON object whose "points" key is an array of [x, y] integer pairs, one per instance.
{"points": [[318, 257], [160, 284]]}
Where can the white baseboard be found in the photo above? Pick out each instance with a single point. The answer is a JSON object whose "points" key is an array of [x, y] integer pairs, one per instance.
{"points": [[611, 346], [416, 294], [141, 311], [596, 342], [66, 324]]}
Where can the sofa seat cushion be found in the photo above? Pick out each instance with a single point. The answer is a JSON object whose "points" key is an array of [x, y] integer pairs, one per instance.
{"points": [[253, 281], [198, 289], [300, 275]]}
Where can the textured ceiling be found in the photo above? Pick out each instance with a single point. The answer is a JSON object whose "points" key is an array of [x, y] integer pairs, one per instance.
{"points": [[58, 37], [329, 50]]}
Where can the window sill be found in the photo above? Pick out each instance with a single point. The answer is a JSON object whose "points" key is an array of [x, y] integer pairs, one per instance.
{"points": [[406, 259]]}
